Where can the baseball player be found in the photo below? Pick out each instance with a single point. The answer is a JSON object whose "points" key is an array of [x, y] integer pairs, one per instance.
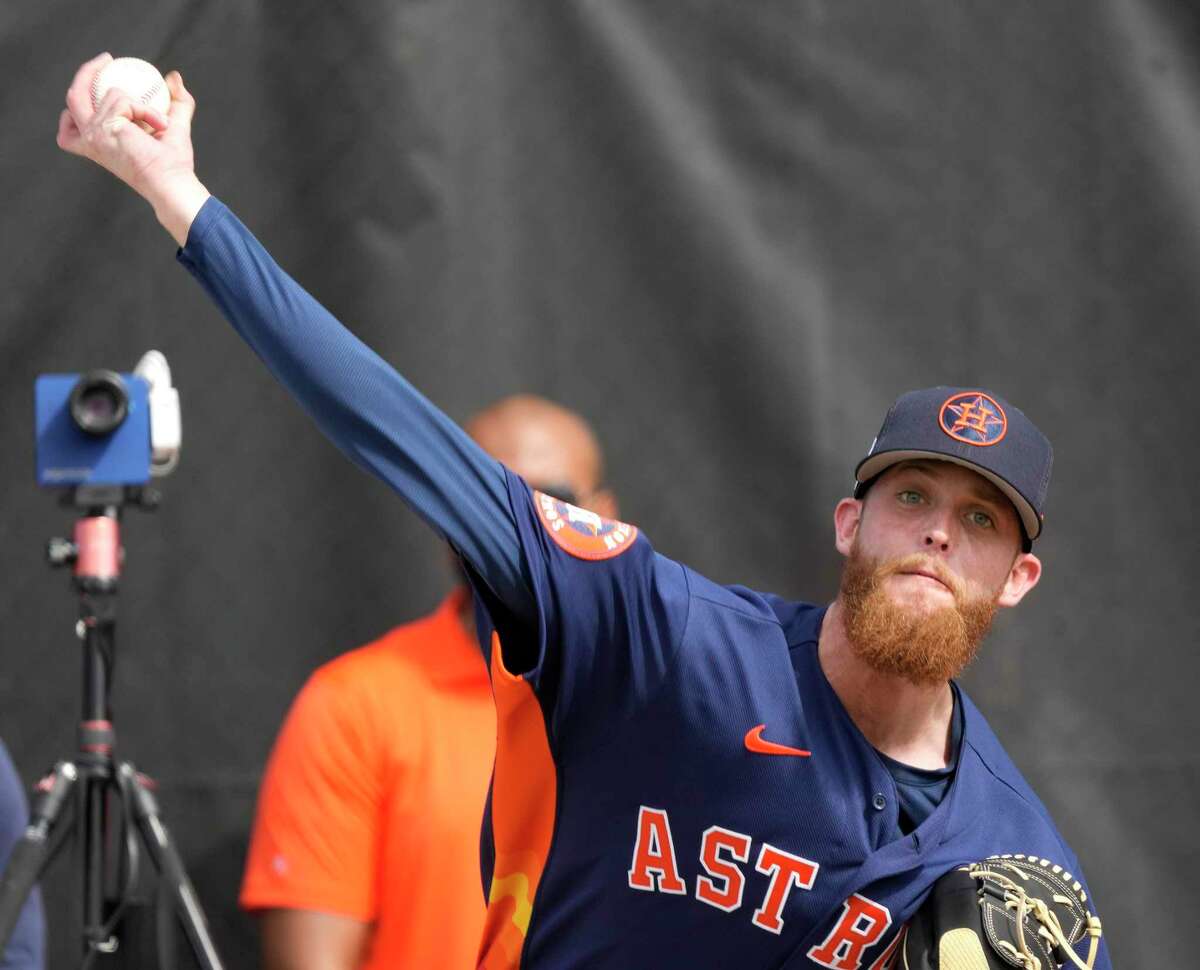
{"points": [[687, 774]]}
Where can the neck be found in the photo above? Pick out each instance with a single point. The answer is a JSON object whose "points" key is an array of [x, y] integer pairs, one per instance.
{"points": [[466, 611], [906, 721]]}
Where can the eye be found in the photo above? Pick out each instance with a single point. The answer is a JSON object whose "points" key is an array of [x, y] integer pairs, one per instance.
{"points": [[982, 519], [910, 497]]}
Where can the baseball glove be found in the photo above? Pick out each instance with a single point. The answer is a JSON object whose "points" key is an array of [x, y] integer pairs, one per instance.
{"points": [[1007, 911]]}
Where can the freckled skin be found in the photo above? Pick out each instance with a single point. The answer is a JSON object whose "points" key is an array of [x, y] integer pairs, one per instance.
{"points": [[951, 515]]}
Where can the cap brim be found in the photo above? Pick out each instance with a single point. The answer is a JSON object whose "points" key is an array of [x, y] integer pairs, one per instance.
{"points": [[879, 462]]}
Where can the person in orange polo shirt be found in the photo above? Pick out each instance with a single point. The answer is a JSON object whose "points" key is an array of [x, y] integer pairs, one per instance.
{"points": [[365, 850]]}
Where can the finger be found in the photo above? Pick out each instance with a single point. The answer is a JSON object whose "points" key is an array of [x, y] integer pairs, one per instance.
{"points": [[112, 122], [68, 133], [183, 105], [151, 117], [79, 94], [115, 104]]}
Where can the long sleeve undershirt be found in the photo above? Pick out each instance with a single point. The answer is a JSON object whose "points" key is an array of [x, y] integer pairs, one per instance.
{"points": [[359, 401]]}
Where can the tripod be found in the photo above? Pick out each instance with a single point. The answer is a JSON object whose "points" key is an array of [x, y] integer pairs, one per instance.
{"points": [[94, 774]]}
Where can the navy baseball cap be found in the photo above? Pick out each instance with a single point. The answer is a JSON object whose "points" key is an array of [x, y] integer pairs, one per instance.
{"points": [[969, 427]]}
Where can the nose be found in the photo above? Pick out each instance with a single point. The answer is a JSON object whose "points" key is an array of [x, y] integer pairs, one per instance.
{"points": [[937, 537]]}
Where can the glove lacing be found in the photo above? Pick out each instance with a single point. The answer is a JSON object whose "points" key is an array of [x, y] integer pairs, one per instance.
{"points": [[1049, 927]]}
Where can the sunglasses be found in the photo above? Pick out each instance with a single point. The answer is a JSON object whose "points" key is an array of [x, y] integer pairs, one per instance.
{"points": [[564, 493]]}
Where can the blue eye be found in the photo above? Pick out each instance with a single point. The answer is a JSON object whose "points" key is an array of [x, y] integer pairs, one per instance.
{"points": [[983, 520], [909, 497]]}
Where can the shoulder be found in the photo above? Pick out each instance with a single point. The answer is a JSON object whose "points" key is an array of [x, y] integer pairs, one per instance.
{"points": [[980, 738], [739, 599], [1007, 790], [798, 621], [350, 717], [393, 660], [363, 691]]}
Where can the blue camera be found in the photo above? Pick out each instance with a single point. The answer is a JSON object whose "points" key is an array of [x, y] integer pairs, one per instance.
{"points": [[105, 428]]}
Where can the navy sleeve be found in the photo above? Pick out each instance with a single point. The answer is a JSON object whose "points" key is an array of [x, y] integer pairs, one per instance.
{"points": [[611, 614], [369, 411], [26, 948]]}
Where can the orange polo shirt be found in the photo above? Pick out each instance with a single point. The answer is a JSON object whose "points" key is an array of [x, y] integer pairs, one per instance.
{"points": [[373, 796]]}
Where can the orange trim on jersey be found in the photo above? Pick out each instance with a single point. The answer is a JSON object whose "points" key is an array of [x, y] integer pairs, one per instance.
{"points": [[524, 802]]}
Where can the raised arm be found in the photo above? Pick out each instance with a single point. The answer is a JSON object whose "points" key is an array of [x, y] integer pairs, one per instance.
{"points": [[367, 409]]}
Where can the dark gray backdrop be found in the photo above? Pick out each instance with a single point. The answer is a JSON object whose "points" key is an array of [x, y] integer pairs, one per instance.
{"points": [[729, 233]]}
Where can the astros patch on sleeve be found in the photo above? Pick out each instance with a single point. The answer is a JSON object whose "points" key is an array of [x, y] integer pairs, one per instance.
{"points": [[580, 532]]}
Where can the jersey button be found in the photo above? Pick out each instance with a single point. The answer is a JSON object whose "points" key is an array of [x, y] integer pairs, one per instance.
{"points": [[879, 802]]}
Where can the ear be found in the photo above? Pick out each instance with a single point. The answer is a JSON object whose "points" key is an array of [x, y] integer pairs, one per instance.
{"points": [[1024, 575], [846, 519], [603, 503]]}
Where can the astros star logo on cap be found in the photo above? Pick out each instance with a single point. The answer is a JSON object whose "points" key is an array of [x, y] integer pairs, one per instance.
{"points": [[974, 418]]}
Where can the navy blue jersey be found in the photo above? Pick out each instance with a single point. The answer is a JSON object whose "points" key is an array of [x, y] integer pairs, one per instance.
{"points": [[676, 782], [713, 803]]}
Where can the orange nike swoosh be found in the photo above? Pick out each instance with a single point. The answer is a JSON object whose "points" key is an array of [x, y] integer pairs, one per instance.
{"points": [[755, 743]]}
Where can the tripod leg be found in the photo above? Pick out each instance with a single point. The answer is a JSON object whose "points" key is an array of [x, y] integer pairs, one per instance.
{"points": [[170, 867], [31, 855]]}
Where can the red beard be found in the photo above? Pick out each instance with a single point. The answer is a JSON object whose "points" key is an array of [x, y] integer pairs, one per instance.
{"points": [[923, 646]]}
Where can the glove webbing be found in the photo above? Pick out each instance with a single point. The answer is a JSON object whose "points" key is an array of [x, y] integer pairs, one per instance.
{"points": [[1049, 927]]}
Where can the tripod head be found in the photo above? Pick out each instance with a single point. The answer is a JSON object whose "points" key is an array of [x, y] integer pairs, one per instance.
{"points": [[95, 547]]}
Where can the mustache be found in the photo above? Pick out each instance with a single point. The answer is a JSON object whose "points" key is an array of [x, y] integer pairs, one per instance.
{"points": [[924, 647], [926, 565]]}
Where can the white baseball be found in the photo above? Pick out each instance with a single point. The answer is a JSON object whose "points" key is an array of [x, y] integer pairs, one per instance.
{"points": [[137, 78]]}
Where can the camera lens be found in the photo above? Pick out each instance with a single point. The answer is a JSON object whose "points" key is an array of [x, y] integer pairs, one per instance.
{"points": [[99, 402]]}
